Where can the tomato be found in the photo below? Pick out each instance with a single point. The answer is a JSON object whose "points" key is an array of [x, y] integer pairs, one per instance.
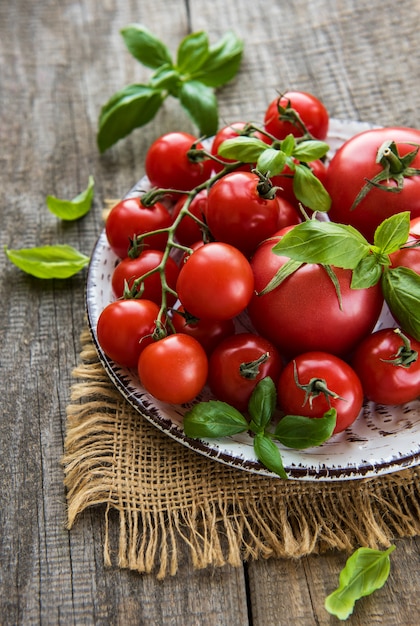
{"points": [[288, 214], [207, 332], [231, 132], [234, 370], [129, 218], [285, 180], [239, 214], [311, 111], [389, 367], [188, 231], [303, 313], [124, 329], [354, 162], [129, 269], [167, 164], [326, 371], [215, 282], [173, 369]]}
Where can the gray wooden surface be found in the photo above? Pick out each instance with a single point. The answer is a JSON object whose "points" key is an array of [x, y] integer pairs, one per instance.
{"points": [[60, 60]]}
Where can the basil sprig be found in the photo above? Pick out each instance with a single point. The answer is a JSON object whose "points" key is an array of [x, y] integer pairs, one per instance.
{"points": [[198, 69], [214, 418]]}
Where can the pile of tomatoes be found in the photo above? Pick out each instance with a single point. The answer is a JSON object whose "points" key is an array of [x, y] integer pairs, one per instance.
{"points": [[196, 257]]}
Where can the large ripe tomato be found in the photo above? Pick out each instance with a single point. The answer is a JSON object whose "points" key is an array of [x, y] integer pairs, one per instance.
{"points": [[231, 132], [207, 332], [355, 162], [317, 372], [167, 164], [389, 367], [173, 369], [303, 313], [129, 218], [310, 109], [239, 213], [189, 231], [128, 270], [237, 365], [215, 282], [124, 329]]}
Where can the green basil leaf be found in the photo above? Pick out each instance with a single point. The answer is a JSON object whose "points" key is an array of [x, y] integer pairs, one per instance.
{"points": [[222, 63], [145, 46], [192, 52], [309, 190], [201, 105], [241, 148], [271, 161], [401, 289], [330, 243], [300, 432], [308, 151], [165, 78], [213, 419], [268, 453], [366, 273], [262, 403], [289, 268], [366, 570], [72, 209], [392, 233], [133, 106], [60, 261], [288, 145]]}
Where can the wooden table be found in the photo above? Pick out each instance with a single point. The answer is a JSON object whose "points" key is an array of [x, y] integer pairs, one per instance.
{"points": [[60, 61]]}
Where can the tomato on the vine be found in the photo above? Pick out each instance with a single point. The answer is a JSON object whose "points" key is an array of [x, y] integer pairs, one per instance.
{"points": [[173, 369], [309, 108], [314, 382], [238, 363], [207, 332], [388, 365], [189, 230]]}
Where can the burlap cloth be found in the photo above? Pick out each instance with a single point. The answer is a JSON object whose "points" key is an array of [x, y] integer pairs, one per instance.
{"points": [[166, 494]]}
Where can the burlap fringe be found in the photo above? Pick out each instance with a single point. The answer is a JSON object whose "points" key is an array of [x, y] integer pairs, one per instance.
{"points": [[261, 518]]}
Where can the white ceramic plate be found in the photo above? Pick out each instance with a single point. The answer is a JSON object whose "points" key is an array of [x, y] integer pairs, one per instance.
{"points": [[383, 439]]}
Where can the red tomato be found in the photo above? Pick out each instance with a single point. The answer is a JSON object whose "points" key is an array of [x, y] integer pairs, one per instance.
{"points": [[130, 269], [285, 181], [288, 215], [355, 162], [167, 164], [173, 369], [188, 231], [329, 372], [215, 282], [234, 370], [311, 111], [388, 368], [303, 313], [124, 329], [207, 332], [231, 132], [238, 214], [129, 218]]}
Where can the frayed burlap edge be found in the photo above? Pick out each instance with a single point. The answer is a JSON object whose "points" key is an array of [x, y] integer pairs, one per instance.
{"points": [[224, 516]]}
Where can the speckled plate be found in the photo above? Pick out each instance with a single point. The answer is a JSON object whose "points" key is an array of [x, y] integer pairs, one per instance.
{"points": [[383, 439]]}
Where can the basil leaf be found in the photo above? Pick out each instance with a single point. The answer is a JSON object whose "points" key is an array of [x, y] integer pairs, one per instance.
{"points": [[392, 233], [268, 453], [223, 61], [213, 419], [366, 273], [145, 46], [192, 52], [262, 403], [72, 209], [300, 432], [309, 190], [324, 242], [271, 161], [129, 108], [60, 261], [165, 78], [308, 151], [366, 570], [246, 149], [288, 145], [200, 103], [401, 289]]}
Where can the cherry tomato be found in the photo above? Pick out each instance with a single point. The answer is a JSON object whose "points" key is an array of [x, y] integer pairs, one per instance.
{"points": [[124, 329], [167, 164], [215, 282], [189, 231], [231, 132], [129, 218], [288, 214], [329, 372], [238, 363], [129, 269], [239, 214], [207, 332], [355, 162], [303, 313], [173, 369], [311, 111], [389, 367]]}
